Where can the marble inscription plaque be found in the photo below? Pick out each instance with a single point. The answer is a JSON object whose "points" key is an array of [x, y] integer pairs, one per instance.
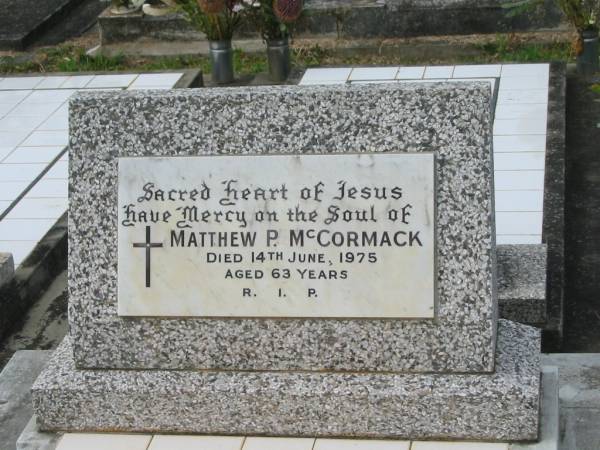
{"points": [[344, 236]]}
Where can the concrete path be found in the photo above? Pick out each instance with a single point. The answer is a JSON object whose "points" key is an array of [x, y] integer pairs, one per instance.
{"points": [[579, 395]]}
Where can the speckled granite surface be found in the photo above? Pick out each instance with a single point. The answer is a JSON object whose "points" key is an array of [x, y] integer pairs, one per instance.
{"points": [[451, 119], [522, 283], [499, 406]]}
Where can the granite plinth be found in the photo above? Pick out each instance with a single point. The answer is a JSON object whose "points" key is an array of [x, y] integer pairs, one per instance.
{"points": [[451, 119], [522, 283], [503, 405]]}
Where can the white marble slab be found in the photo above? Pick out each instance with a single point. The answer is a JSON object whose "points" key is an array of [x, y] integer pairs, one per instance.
{"points": [[516, 180], [478, 71], [410, 73], [103, 441], [520, 143], [180, 442], [326, 76], [278, 443], [373, 73], [439, 72], [358, 444], [217, 254]]}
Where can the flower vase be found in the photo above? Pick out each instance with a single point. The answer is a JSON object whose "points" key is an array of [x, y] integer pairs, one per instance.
{"points": [[278, 57], [587, 60], [221, 58]]}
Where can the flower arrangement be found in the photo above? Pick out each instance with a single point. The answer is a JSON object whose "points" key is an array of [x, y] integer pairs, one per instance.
{"points": [[273, 17], [217, 19], [582, 14]]}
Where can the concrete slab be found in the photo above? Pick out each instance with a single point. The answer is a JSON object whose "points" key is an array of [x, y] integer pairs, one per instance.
{"points": [[33, 439], [579, 395], [15, 397]]}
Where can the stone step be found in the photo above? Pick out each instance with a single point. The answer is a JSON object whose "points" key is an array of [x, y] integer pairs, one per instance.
{"points": [[522, 283]]}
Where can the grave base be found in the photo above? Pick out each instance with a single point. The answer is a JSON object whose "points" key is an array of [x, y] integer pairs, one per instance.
{"points": [[502, 406]]}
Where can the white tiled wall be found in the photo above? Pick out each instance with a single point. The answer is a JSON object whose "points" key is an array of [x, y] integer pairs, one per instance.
{"points": [[33, 139], [519, 132]]}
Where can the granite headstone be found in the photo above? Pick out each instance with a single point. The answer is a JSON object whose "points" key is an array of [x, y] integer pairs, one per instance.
{"points": [[406, 343]]}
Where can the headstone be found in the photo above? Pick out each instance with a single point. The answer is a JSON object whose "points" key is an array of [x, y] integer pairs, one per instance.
{"points": [[314, 261], [23, 21]]}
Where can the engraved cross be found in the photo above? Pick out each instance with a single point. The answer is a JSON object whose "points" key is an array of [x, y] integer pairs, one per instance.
{"points": [[148, 245]]}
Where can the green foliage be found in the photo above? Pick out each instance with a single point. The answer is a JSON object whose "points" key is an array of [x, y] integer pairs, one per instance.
{"points": [[79, 61], [248, 62], [595, 88], [309, 56], [10, 64], [583, 14], [69, 58], [260, 13], [506, 48], [173, 63]]}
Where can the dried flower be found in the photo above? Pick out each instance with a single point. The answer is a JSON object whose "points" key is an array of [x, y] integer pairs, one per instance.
{"points": [[211, 6], [287, 10]]}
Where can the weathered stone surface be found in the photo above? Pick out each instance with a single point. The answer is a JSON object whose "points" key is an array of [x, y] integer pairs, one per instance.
{"points": [[522, 283], [7, 267], [33, 276], [33, 439], [499, 406], [22, 20], [15, 397], [452, 119]]}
